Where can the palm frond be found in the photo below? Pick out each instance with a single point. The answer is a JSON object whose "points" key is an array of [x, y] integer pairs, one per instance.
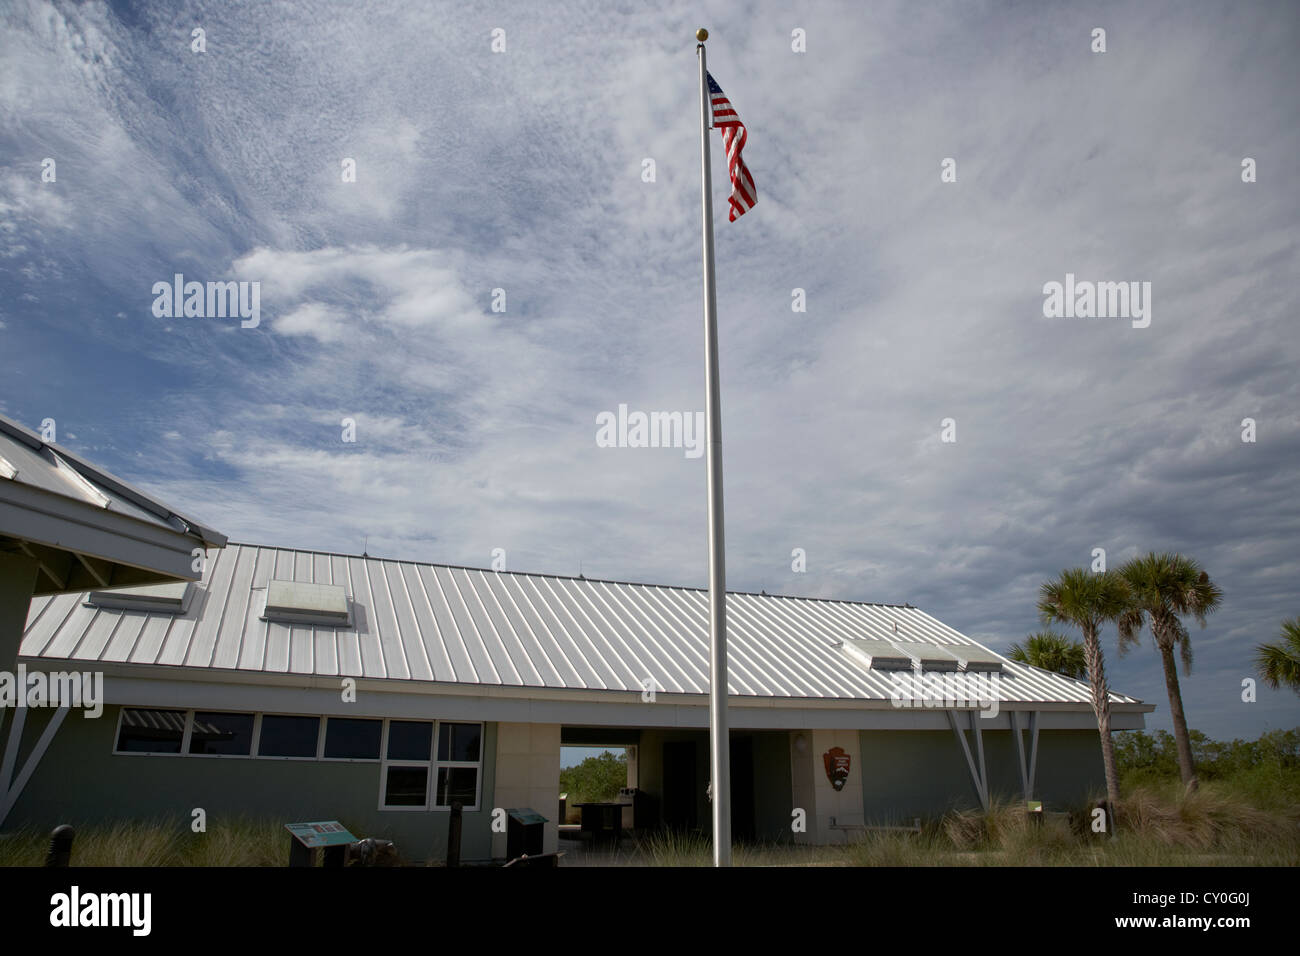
{"points": [[1279, 663], [1163, 588], [1051, 652]]}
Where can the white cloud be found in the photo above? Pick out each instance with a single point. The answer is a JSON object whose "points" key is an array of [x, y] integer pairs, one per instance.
{"points": [[395, 287], [312, 318], [521, 171]]}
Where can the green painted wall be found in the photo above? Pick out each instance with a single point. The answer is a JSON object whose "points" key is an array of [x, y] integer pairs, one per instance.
{"points": [[1070, 770], [904, 773], [910, 774], [923, 773], [17, 578], [81, 781]]}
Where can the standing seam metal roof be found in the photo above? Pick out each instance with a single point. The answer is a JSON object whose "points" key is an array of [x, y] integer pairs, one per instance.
{"points": [[426, 622]]}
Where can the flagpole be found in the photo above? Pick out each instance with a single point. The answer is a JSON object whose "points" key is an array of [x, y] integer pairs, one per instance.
{"points": [[719, 741]]}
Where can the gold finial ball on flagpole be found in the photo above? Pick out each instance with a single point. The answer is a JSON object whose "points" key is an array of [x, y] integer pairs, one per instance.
{"points": [[701, 34]]}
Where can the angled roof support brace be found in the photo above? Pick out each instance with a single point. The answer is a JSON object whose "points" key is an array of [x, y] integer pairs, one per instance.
{"points": [[1033, 750], [99, 570], [979, 747], [978, 774], [54, 566], [1028, 770], [16, 723], [12, 793]]}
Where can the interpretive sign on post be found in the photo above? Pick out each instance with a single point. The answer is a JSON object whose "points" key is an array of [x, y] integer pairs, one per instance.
{"points": [[323, 833], [306, 837]]}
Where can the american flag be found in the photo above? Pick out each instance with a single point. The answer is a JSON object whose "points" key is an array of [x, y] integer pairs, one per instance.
{"points": [[743, 193]]}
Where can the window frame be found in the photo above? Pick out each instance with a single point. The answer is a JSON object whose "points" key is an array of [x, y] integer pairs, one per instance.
{"points": [[432, 765], [257, 731], [185, 734], [385, 764], [325, 736], [192, 715], [440, 764]]}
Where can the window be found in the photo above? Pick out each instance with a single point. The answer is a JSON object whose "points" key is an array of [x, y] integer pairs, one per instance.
{"points": [[296, 602], [459, 741], [155, 598], [457, 784], [406, 786], [348, 738], [407, 754], [459, 753], [424, 764], [409, 740], [229, 735], [150, 731], [288, 736]]}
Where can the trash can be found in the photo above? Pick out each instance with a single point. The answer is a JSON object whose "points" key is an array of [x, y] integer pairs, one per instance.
{"points": [[525, 832]]}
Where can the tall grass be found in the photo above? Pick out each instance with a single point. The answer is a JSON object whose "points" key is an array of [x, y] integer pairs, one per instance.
{"points": [[675, 848], [1218, 825], [1247, 820], [1215, 825], [167, 842]]}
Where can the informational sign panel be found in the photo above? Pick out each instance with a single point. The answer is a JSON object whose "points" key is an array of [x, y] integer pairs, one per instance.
{"points": [[322, 833]]}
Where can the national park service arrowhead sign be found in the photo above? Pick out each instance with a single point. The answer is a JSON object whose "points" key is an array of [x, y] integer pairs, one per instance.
{"points": [[837, 766]]}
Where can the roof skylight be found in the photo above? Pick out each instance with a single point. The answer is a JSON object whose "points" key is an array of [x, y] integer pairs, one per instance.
{"points": [[877, 654], [976, 658], [296, 602], [933, 657], [171, 598]]}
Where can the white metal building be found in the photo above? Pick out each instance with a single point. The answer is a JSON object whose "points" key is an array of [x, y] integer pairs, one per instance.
{"points": [[317, 686]]}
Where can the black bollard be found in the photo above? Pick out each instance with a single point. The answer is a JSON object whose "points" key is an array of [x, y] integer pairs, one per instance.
{"points": [[453, 835], [60, 853]]}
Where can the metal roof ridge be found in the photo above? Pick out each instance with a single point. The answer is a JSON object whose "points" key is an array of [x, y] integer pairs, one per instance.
{"points": [[564, 577]]}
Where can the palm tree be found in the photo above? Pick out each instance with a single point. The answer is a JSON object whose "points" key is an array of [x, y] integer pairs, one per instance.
{"points": [[1280, 663], [1163, 588], [1052, 652], [1088, 601]]}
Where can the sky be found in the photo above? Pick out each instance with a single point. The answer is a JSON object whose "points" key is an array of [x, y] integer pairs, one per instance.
{"points": [[506, 265], [572, 756]]}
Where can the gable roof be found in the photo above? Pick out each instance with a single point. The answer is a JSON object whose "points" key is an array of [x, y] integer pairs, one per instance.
{"points": [[84, 527], [412, 621]]}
